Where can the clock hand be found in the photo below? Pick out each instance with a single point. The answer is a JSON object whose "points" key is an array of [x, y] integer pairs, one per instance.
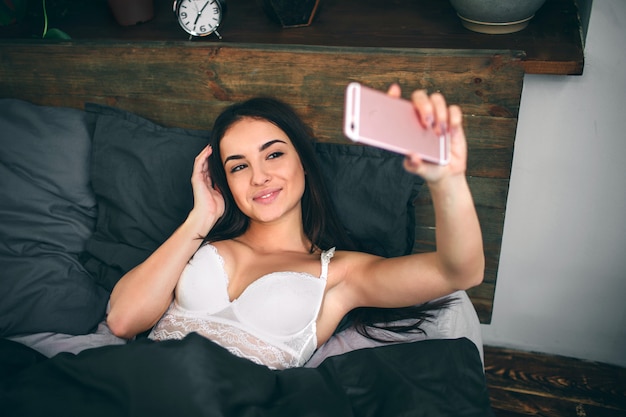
{"points": [[199, 12]]}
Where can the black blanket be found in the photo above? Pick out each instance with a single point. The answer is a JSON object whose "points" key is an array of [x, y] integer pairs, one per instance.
{"points": [[195, 377]]}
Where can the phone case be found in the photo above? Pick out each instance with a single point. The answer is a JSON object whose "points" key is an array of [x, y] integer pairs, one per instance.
{"points": [[374, 118]]}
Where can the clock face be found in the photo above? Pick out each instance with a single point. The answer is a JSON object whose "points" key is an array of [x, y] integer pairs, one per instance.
{"points": [[199, 17]]}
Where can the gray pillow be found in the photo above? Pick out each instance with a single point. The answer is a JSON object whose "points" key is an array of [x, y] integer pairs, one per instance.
{"points": [[141, 175], [48, 211], [373, 195]]}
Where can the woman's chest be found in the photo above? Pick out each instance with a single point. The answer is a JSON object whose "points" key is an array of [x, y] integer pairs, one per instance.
{"points": [[244, 269], [277, 303]]}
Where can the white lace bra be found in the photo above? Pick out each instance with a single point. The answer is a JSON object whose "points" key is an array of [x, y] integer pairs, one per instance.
{"points": [[273, 322]]}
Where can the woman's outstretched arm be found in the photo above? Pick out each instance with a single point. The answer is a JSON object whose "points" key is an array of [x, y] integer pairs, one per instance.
{"points": [[458, 262]]}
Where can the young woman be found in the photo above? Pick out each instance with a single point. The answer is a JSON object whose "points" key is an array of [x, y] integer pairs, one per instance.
{"points": [[259, 265]]}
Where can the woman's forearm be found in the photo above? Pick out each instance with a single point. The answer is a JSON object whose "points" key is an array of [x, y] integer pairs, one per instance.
{"points": [[458, 233], [141, 296]]}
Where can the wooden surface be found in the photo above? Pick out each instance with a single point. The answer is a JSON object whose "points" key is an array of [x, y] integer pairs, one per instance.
{"points": [[188, 84], [552, 43], [532, 384]]}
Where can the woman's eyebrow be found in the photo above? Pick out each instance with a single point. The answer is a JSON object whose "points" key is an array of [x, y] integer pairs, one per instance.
{"points": [[233, 157], [270, 143], [261, 148]]}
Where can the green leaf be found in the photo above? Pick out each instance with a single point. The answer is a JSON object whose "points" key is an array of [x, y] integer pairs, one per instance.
{"points": [[55, 33]]}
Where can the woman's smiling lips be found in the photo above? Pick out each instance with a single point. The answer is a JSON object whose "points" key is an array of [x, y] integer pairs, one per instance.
{"points": [[266, 196]]}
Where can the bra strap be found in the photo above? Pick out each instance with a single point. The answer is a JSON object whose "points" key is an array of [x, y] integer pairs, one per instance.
{"points": [[326, 257]]}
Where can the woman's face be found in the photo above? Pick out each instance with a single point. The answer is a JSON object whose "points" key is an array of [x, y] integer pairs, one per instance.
{"points": [[263, 170]]}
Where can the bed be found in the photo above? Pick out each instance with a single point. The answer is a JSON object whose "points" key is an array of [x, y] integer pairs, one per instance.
{"points": [[95, 156]]}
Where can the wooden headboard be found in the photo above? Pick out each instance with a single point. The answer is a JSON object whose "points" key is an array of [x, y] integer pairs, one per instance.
{"points": [[187, 84]]}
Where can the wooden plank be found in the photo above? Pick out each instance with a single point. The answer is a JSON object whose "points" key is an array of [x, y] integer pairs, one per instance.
{"points": [[547, 385], [481, 80], [491, 143], [490, 199], [508, 403], [482, 299]]}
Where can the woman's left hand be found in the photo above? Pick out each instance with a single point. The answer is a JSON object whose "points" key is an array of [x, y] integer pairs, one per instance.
{"points": [[435, 114]]}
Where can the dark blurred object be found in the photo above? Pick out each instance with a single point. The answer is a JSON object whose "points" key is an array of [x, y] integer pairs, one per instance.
{"points": [[291, 13], [132, 12], [11, 11]]}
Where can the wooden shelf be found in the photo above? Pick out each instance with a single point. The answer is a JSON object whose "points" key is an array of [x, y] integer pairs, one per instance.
{"points": [[551, 44]]}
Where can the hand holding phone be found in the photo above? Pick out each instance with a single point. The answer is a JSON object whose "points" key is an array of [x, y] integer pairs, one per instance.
{"points": [[374, 118]]}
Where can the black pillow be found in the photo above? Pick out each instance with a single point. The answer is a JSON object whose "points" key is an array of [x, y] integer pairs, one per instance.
{"points": [[47, 211], [141, 176], [373, 196], [140, 173]]}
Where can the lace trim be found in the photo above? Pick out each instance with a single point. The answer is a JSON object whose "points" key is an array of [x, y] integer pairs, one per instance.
{"points": [[326, 257], [238, 342]]}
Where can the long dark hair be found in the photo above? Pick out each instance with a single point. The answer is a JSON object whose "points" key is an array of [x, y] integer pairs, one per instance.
{"points": [[321, 223]]}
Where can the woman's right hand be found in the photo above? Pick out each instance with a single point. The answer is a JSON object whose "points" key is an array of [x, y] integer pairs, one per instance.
{"points": [[208, 201]]}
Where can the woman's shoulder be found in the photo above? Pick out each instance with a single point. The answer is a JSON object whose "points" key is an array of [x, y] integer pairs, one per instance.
{"points": [[224, 248], [350, 256], [347, 264]]}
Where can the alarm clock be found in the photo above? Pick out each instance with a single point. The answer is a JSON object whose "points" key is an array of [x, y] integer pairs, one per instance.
{"points": [[200, 17]]}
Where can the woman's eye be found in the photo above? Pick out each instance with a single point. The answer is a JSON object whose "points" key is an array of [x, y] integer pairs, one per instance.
{"points": [[237, 168], [275, 155]]}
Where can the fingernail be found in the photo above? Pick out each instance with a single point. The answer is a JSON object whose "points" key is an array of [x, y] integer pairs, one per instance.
{"points": [[430, 121]]}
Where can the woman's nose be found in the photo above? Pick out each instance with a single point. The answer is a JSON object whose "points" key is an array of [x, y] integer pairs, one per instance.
{"points": [[259, 176]]}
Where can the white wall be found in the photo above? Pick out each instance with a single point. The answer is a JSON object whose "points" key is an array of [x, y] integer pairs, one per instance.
{"points": [[562, 280]]}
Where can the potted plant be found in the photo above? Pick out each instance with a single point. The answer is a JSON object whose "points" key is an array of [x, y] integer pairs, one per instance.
{"points": [[13, 11]]}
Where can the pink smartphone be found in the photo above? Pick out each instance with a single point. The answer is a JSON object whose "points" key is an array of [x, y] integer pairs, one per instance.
{"points": [[374, 118]]}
